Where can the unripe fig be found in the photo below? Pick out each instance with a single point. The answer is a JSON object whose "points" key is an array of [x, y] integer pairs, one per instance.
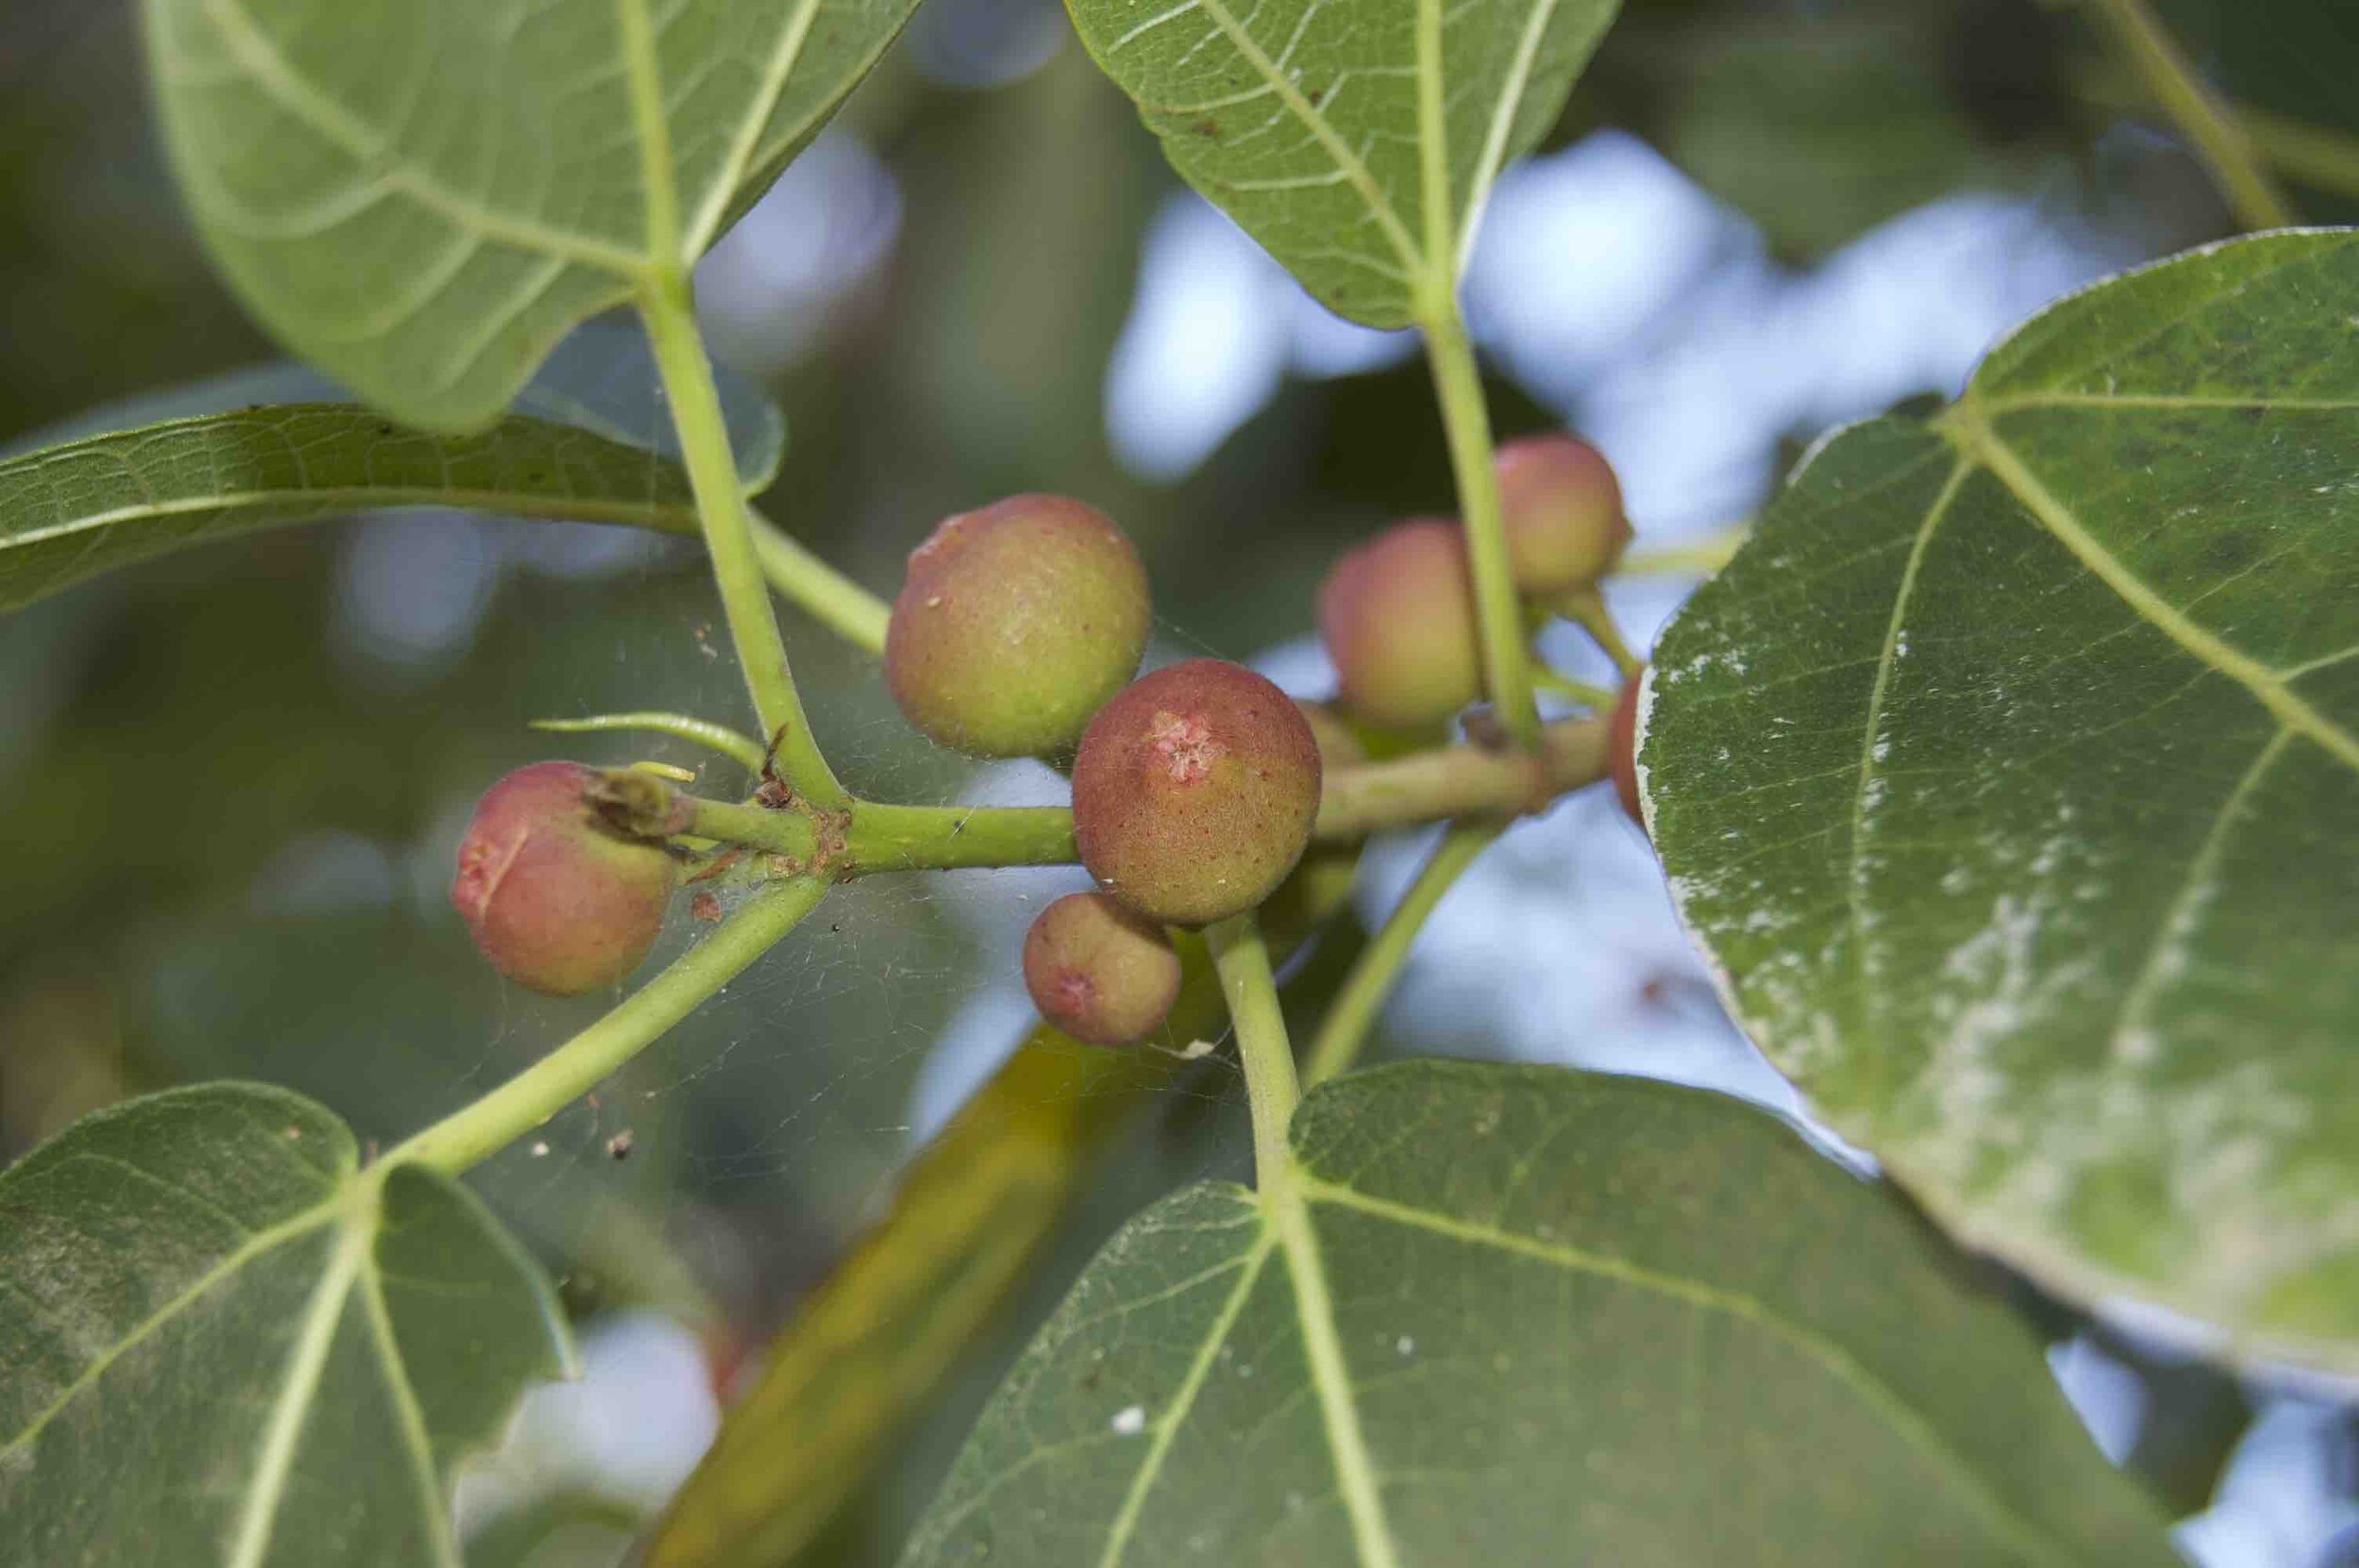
{"points": [[1015, 624], [1194, 792], [557, 900], [1099, 972], [1622, 748], [1562, 509], [1397, 617]]}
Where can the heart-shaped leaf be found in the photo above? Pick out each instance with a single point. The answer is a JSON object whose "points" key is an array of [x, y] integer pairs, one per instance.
{"points": [[1523, 1314], [2009, 777], [227, 1343], [423, 195], [1356, 140]]}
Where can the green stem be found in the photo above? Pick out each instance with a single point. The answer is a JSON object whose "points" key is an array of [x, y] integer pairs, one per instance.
{"points": [[1596, 698], [2211, 131], [912, 838], [704, 732], [1460, 781], [704, 439], [2311, 154], [1353, 1011], [788, 833], [1585, 607], [1698, 557], [833, 599], [1499, 615], [1270, 1086], [575, 1068], [871, 837]]}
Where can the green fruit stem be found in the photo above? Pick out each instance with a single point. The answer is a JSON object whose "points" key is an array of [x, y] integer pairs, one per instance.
{"points": [[1355, 1007], [1585, 607], [1699, 557], [1460, 781], [541, 1090], [867, 836], [1599, 698], [945, 838], [670, 315], [1499, 614]]}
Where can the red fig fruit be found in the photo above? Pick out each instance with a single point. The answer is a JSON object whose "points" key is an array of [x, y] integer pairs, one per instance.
{"points": [[556, 899]]}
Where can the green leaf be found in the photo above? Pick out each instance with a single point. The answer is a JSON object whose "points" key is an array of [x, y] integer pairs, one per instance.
{"points": [[1521, 1312], [422, 196], [227, 1343], [2009, 777], [1356, 140], [1821, 125], [265, 446], [873, 1346], [92, 506]]}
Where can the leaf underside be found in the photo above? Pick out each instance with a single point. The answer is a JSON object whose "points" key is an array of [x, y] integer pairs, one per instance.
{"points": [[1356, 140], [2011, 778], [226, 1343], [1533, 1313], [73, 511], [589, 442], [425, 196]]}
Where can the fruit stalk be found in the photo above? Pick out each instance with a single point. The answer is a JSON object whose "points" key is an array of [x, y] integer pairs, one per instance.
{"points": [[1355, 1007], [945, 838], [1460, 781]]}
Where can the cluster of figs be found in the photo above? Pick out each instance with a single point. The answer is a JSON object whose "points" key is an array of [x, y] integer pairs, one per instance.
{"points": [[1018, 631]]}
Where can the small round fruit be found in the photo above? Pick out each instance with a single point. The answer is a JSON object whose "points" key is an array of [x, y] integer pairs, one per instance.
{"points": [[1195, 791], [1099, 972], [1398, 619], [1015, 624], [1562, 509], [1622, 749], [554, 898]]}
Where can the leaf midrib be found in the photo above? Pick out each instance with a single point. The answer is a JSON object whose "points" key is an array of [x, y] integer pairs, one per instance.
{"points": [[673, 239], [300, 97], [1289, 1208], [1880, 1396], [1354, 169], [307, 1362], [338, 497], [257, 1244]]}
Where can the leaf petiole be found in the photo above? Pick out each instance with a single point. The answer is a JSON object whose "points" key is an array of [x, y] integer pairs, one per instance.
{"points": [[1241, 961], [470, 1135], [720, 509], [1499, 614]]}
